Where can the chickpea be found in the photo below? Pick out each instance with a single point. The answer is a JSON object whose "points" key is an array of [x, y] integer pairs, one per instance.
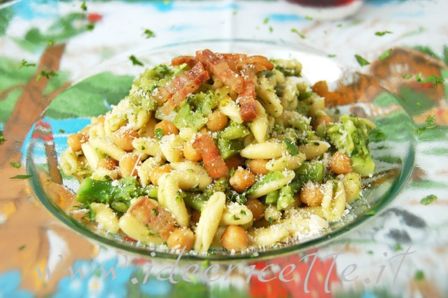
{"points": [[256, 207], [167, 127], [242, 179], [181, 239], [108, 163], [340, 163], [75, 141], [311, 195], [258, 166], [148, 130], [217, 121], [190, 153], [235, 237], [128, 165], [156, 173], [123, 138], [234, 161]]}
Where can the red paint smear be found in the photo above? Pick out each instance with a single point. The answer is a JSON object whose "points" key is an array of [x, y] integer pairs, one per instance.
{"points": [[94, 17]]}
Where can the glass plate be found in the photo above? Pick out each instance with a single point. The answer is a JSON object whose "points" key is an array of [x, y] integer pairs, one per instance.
{"points": [[108, 83]]}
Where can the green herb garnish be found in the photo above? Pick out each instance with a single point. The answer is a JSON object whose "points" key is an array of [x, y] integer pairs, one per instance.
{"points": [[271, 29], [2, 137], [149, 33], [47, 74], [265, 20], [398, 247], [22, 247], [430, 123], [15, 164], [155, 211], [20, 177], [25, 63], [84, 6], [361, 61], [135, 61], [331, 55], [382, 33], [419, 275], [429, 199], [236, 217], [308, 18], [158, 133], [385, 55], [90, 26], [301, 34], [291, 147], [406, 76]]}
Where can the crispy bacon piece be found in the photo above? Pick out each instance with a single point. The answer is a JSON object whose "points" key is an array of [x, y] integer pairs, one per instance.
{"points": [[183, 85], [238, 61], [213, 162], [247, 98], [149, 212], [189, 60], [218, 66]]}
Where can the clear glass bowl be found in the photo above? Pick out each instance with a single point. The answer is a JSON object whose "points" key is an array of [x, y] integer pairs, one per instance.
{"points": [[108, 83]]}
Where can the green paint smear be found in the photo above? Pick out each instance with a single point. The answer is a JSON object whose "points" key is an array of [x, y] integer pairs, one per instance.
{"points": [[428, 184], [434, 134], [90, 97], [414, 102], [6, 15], [436, 151]]}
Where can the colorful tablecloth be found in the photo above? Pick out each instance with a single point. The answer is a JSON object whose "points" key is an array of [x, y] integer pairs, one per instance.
{"points": [[402, 252]]}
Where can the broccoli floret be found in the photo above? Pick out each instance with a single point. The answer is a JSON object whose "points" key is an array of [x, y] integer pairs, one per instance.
{"points": [[272, 197], [309, 171], [227, 148], [204, 102], [285, 198], [351, 136], [234, 131], [186, 117]]}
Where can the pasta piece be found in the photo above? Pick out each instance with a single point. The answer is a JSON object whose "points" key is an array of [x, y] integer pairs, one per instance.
{"points": [[270, 100], [147, 145], [137, 230], [190, 175], [285, 162], [209, 221], [108, 148], [265, 150], [107, 220], [69, 162], [259, 126], [145, 169], [271, 182], [169, 198], [91, 155], [270, 235], [272, 214], [229, 108], [171, 147], [333, 203], [290, 93], [314, 149], [236, 214]]}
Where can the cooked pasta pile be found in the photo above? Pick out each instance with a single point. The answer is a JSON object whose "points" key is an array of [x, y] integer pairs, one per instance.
{"points": [[219, 150]]}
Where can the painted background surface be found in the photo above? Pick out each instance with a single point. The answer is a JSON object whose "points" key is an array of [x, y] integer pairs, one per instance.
{"points": [[40, 257]]}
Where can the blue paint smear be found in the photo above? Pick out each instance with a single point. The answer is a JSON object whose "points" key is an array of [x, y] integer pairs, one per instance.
{"points": [[162, 6], [281, 17], [26, 9], [382, 2], [9, 285]]}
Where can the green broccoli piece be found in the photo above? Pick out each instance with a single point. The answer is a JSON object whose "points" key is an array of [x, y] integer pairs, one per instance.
{"points": [[351, 136], [309, 171], [272, 197], [285, 198], [186, 117], [227, 148], [234, 131], [91, 191], [204, 102]]}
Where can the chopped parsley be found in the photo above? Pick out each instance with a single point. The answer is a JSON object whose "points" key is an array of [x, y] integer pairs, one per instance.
{"points": [[406, 76], [22, 247], [385, 55], [398, 247], [84, 6], [271, 29], [308, 18], [430, 123], [46, 74], [135, 61], [25, 63], [20, 177], [361, 60], [243, 212], [382, 33], [50, 42], [15, 164], [155, 211], [301, 34], [429, 199], [419, 275], [291, 147], [236, 217], [61, 130], [158, 133], [265, 20], [2, 137], [149, 33]]}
